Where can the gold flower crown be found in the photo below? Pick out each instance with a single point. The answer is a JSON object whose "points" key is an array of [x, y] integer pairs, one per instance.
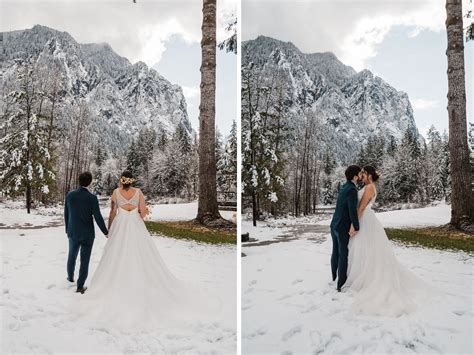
{"points": [[126, 180]]}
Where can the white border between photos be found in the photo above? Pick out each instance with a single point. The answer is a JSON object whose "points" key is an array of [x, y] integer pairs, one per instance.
{"points": [[239, 170]]}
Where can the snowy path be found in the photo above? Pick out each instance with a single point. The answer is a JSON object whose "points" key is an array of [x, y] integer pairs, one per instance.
{"points": [[290, 305], [36, 299]]}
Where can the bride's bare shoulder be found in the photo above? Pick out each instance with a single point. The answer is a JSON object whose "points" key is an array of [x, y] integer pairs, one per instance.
{"points": [[371, 188], [113, 197]]}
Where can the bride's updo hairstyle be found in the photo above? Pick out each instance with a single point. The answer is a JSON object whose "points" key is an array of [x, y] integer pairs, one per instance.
{"points": [[369, 169], [126, 179]]}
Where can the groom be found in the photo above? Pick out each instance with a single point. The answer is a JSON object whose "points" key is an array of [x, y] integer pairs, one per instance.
{"points": [[341, 230], [80, 207]]}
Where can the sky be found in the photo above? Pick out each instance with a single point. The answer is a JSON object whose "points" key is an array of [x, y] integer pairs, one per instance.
{"points": [[403, 42], [165, 34], [180, 63]]}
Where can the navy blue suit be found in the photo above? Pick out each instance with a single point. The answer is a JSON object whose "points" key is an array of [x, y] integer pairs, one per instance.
{"points": [[344, 215], [79, 210]]}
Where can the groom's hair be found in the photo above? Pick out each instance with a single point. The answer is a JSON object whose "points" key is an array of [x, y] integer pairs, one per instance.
{"points": [[85, 179], [351, 171]]}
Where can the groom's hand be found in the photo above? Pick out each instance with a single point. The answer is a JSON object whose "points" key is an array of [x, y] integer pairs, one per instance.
{"points": [[352, 231]]}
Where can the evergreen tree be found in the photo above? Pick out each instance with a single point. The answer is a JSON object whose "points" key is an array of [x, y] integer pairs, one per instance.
{"points": [[391, 145], [445, 167], [328, 190], [171, 166], [229, 165], [133, 159], [99, 160], [144, 149], [434, 161], [183, 137], [24, 153], [220, 175]]}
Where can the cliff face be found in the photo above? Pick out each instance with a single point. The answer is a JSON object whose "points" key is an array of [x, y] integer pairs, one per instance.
{"points": [[121, 96], [352, 105]]}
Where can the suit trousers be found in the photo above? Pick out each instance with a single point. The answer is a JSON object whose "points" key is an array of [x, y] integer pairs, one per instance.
{"points": [[85, 247], [340, 252]]}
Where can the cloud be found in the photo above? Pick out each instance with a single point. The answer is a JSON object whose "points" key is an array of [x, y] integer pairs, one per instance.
{"points": [[351, 29], [153, 38], [191, 92], [361, 44], [138, 31], [422, 104]]}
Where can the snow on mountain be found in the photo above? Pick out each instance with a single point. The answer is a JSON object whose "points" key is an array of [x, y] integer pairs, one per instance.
{"points": [[351, 105], [123, 97]]}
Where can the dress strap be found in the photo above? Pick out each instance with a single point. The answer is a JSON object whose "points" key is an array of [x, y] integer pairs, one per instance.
{"points": [[121, 200]]}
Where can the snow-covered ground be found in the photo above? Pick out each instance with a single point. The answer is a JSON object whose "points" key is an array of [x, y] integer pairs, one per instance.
{"points": [[290, 305], [13, 213], [182, 212], [417, 217], [36, 299]]}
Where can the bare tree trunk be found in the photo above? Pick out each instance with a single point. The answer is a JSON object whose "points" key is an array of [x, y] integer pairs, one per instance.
{"points": [[28, 179], [462, 209], [295, 200], [207, 204], [29, 104]]}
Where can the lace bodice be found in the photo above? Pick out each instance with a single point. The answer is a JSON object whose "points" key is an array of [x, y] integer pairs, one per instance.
{"points": [[121, 201], [360, 193]]}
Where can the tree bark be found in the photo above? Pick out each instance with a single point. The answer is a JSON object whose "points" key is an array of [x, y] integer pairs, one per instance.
{"points": [[207, 204], [462, 209]]}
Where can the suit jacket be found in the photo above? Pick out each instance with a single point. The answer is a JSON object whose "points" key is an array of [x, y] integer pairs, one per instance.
{"points": [[346, 208], [80, 207]]}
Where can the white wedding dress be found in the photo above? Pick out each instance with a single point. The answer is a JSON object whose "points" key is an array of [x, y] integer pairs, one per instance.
{"points": [[382, 286], [132, 288]]}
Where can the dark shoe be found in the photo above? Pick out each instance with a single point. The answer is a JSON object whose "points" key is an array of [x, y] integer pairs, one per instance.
{"points": [[338, 289], [81, 289], [70, 280]]}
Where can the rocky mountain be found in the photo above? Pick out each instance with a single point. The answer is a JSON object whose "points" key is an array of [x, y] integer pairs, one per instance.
{"points": [[122, 97], [351, 105]]}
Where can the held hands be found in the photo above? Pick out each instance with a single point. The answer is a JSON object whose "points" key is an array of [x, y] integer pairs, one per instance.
{"points": [[352, 231]]}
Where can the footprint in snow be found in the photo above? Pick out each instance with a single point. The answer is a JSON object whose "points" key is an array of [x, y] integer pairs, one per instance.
{"points": [[51, 286], [14, 326], [297, 281], [291, 333], [249, 290], [310, 309], [462, 312], [258, 332]]}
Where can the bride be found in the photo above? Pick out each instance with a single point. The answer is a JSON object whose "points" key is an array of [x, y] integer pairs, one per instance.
{"points": [[132, 287], [383, 286]]}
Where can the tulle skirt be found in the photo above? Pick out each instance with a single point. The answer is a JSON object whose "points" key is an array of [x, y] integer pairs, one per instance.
{"points": [[133, 289], [382, 286]]}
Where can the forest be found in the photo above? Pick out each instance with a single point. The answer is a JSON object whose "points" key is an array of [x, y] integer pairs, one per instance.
{"points": [[292, 166], [47, 139]]}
